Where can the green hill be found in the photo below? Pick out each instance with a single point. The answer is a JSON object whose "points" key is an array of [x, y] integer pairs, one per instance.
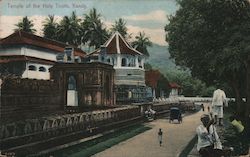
{"points": [[160, 59]]}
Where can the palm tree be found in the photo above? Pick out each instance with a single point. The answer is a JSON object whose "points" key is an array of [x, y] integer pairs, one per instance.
{"points": [[25, 25], [141, 43], [93, 31], [69, 30], [120, 26], [50, 27]]}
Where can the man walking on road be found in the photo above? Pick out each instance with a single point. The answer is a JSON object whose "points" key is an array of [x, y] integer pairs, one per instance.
{"points": [[160, 136], [219, 99]]}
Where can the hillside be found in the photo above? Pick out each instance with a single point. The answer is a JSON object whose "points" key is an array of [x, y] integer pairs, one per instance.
{"points": [[160, 58]]}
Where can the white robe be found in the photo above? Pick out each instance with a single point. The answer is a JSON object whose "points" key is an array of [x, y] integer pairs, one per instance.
{"points": [[219, 98]]}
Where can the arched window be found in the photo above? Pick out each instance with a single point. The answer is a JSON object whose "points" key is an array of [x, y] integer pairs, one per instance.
{"points": [[107, 87], [114, 61], [42, 69], [131, 62], [72, 83], [108, 60], [140, 62], [124, 62], [32, 67]]}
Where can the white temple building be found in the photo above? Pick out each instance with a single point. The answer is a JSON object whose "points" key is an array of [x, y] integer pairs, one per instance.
{"points": [[30, 56], [129, 67]]}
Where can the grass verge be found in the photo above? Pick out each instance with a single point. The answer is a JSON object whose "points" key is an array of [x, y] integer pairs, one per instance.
{"points": [[189, 147], [94, 146]]}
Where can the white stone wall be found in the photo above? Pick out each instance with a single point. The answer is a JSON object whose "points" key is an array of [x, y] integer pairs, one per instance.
{"points": [[36, 74], [132, 74], [32, 52], [132, 61], [10, 51], [43, 54], [29, 51], [174, 92]]}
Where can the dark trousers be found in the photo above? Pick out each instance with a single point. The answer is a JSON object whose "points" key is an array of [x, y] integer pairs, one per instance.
{"points": [[209, 151]]}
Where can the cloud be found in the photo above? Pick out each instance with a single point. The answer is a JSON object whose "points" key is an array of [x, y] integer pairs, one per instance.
{"points": [[156, 35], [156, 15], [7, 24]]}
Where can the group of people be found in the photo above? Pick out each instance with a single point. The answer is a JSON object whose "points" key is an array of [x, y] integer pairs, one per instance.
{"points": [[150, 114], [209, 144]]}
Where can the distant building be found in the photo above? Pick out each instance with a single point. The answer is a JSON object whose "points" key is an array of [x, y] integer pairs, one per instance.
{"points": [[175, 89], [158, 83], [152, 77], [129, 68], [30, 56]]}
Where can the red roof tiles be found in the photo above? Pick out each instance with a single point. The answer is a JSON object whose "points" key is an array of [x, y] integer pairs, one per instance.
{"points": [[174, 85], [117, 45], [16, 58], [21, 37], [152, 77]]}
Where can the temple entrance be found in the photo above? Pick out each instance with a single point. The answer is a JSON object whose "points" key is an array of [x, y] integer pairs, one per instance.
{"points": [[72, 95]]}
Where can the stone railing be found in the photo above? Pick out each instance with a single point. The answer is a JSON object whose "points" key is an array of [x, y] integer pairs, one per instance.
{"points": [[60, 124]]}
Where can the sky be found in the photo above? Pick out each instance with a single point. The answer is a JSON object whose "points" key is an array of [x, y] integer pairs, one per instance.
{"points": [[149, 16]]}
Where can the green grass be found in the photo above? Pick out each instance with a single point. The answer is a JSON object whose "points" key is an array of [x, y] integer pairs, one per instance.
{"points": [[189, 147], [94, 146]]}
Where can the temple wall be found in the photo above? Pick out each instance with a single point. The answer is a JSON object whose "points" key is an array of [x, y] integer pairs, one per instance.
{"points": [[26, 98], [51, 126]]}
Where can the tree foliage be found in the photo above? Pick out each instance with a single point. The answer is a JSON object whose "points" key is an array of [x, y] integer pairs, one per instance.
{"points": [[141, 43], [93, 31], [190, 86], [25, 25], [69, 29], [120, 26], [211, 38], [50, 27]]}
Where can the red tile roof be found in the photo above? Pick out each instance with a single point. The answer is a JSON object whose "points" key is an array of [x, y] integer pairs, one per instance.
{"points": [[16, 58], [174, 85], [21, 37], [152, 77], [117, 45]]}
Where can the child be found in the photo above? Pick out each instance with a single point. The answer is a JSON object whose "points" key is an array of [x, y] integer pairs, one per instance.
{"points": [[160, 136]]}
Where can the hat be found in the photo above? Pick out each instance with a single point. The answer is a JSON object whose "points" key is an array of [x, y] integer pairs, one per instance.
{"points": [[205, 116]]}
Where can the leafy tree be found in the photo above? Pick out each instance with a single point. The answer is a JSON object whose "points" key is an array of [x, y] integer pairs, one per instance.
{"points": [[190, 86], [148, 66], [141, 43], [25, 25], [50, 27], [120, 26], [162, 85], [210, 38], [93, 31], [69, 30]]}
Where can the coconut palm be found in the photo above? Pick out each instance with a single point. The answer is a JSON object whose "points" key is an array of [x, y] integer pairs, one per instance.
{"points": [[69, 30], [120, 26], [93, 31], [50, 27], [141, 43], [25, 25]]}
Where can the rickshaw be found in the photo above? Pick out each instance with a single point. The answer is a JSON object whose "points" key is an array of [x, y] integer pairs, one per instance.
{"points": [[175, 113]]}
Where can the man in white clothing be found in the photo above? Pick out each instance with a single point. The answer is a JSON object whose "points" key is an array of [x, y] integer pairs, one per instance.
{"points": [[219, 99], [209, 144]]}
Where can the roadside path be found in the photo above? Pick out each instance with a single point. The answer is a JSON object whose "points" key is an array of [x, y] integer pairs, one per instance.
{"points": [[175, 138]]}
